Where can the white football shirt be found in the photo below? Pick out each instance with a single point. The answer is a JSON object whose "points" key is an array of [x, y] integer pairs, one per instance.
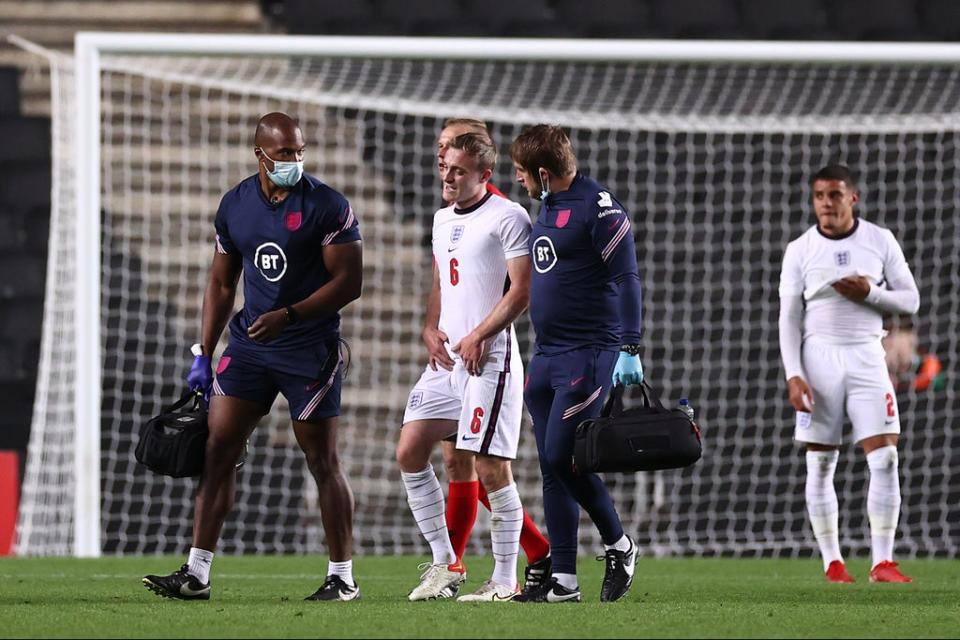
{"points": [[471, 248], [814, 261]]}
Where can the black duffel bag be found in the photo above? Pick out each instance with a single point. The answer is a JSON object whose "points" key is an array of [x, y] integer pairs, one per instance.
{"points": [[643, 438], [174, 443]]}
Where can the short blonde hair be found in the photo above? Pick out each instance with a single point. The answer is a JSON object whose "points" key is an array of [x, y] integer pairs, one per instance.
{"points": [[475, 126], [479, 146]]}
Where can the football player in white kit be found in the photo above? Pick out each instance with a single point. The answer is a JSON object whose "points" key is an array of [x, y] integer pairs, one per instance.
{"points": [[478, 241], [838, 279]]}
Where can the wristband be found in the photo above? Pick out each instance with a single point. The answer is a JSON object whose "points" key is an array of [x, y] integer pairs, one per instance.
{"points": [[631, 349], [292, 316]]}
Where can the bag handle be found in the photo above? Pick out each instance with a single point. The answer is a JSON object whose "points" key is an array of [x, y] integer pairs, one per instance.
{"points": [[613, 407], [188, 395]]}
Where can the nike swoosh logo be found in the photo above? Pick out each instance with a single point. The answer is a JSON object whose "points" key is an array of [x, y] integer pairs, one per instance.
{"points": [[185, 590], [553, 597], [496, 597], [577, 381], [449, 249], [346, 596], [466, 439]]}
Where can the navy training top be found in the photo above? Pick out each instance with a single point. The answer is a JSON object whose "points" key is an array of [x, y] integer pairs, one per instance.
{"points": [[585, 289], [282, 250]]}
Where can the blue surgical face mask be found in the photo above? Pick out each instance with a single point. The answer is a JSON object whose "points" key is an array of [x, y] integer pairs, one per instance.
{"points": [[284, 174]]}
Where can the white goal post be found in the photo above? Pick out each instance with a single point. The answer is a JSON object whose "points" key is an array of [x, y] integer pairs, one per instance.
{"points": [[656, 111]]}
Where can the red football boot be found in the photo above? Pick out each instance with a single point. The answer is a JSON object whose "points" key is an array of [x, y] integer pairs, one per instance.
{"points": [[837, 572], [887, 571]]}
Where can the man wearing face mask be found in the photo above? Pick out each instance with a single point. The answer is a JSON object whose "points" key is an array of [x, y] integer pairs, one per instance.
{"points": [[585, 309], [297, 244]]}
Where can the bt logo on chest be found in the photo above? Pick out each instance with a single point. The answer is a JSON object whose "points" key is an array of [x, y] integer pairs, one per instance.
{"points": [[544, 254], [270, 261]]}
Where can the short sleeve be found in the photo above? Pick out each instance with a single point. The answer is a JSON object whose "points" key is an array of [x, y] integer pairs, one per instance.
{"points": [[224, 242], [515, 233], [341, 225], [609, 225], [791, 276]]}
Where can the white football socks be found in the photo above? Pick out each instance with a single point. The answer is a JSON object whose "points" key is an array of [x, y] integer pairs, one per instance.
{"points": [[342, 569], [883, 501], [425, 498], [567, 580], [198, 564], [506, 520], [822, 503], [623, 544]]}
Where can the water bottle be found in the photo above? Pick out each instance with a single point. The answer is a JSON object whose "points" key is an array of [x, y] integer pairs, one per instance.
{"points": [[686, 408]]}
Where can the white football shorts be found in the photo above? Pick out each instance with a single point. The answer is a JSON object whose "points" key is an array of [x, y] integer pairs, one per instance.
{"points": [[488, 408], [847, 379]]}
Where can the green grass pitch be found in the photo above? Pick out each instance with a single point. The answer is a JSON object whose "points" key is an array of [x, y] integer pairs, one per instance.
{"points": [[261, 597]]}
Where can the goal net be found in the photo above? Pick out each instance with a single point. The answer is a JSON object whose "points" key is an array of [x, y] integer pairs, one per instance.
{"points": [[711, 158]]}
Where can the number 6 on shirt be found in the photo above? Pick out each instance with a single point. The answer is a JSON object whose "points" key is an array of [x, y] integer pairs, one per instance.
{"points": [[454, 274]]}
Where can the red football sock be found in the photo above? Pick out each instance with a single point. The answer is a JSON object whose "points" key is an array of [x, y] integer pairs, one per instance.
{"points": [[461, 513], [534, 543]]}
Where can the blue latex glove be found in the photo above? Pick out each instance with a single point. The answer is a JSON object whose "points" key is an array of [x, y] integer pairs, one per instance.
{"points": [[628, 371], [200, 377]]}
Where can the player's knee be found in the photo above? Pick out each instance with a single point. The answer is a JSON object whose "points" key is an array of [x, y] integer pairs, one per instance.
{"points": [[459, 467], [323, 465], [559, 463], [409, 458], [494, 473], [403, 457], [492, 480], [883, 459], [222, 450]]}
